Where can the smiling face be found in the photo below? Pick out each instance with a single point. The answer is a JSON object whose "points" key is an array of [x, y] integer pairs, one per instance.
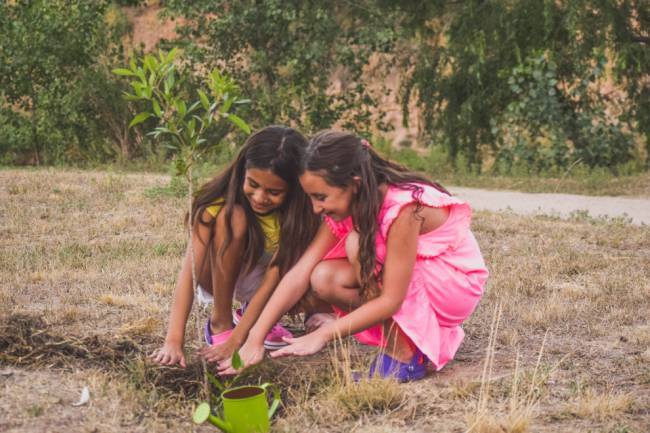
{"points": [[264, 190], [326, 199]]}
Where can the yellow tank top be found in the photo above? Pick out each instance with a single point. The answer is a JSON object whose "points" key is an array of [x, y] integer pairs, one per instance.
{"points": [[269, 223]]}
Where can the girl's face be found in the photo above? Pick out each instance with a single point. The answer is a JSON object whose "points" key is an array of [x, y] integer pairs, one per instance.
{"points": [[264, 190], [332, 201]]}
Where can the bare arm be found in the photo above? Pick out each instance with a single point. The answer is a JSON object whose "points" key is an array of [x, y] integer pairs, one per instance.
{"points": [[224, 273], [172, 350], [398, 268], [288, 292], [293, 285]]}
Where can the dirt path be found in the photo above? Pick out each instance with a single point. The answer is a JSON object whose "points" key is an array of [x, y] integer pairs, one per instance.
{"points": [[636, 209]]}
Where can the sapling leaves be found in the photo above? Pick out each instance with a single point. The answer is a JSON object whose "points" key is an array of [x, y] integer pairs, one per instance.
{"points": [[236, 361], [140, 118], [237, 364], [124, 72], [240, 123]]}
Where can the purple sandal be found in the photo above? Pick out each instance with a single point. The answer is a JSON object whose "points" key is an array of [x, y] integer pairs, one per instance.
{"points": [[386, 366]]}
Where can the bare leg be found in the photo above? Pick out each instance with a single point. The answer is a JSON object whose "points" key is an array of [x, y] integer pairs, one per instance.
{"points": [[334, 282], [398, 345]]}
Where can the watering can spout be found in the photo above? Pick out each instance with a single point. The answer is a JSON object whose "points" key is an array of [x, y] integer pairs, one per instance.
{"points": [[202, 414]]}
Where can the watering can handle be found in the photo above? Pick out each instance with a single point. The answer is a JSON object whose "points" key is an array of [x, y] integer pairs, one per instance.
{"points": [[276, 397], [203, 413]]}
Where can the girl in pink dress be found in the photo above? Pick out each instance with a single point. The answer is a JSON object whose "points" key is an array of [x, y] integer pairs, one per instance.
{"points": [[394, 257]]}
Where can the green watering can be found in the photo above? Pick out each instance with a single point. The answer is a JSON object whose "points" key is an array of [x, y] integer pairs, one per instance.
{"points": [[245, 410]]}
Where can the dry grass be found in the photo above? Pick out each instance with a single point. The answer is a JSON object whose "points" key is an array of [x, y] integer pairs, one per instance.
{"points": [[600, 406], [87, 266]]}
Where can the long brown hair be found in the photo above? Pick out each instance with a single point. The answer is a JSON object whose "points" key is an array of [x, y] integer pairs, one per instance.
{"points": [[341, 156], [278, 149]]}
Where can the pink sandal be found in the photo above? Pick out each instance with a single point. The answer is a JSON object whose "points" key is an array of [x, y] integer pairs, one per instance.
{"points": [[216, 339], [274, 339]]}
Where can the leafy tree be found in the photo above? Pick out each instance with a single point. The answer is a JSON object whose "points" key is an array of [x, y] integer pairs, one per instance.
{"points": [[459, 60], [470, 52], [286, 52], [45, 47]]}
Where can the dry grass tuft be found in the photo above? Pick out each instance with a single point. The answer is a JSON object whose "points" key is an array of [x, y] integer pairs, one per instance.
{"points": [[515, 414], [140, 327], [600, 406]]}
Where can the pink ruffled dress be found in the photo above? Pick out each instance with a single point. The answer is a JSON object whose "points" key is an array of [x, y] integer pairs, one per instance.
{"points": [[448, 277]]}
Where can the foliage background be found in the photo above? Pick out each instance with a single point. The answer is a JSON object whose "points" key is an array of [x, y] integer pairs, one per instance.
{"points": [[499, 87]]}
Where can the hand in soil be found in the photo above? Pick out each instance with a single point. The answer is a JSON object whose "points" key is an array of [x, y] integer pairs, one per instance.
{"points": [[302, 346], [169, 354], [249, 354], [218, 352], [317, 320]]}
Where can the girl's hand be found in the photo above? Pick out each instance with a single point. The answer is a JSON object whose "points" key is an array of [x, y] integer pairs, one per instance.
{"points": [[317, 320], [218, 352], [249, 354], [169, 354], [302, 346]]}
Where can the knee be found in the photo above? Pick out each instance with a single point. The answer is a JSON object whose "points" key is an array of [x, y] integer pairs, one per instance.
{"points": [[352, 246], [322, 281]]}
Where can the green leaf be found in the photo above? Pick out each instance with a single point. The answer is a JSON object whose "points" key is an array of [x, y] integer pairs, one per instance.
{"points": [[140, 73], [204, 100], [171, 55], [227, 103], [236, 361], [193, 107], [170, 81], [170, 146], [240, 123], [130, 97], [124, 72], [149, 62], [156, 108], [140, 118], [180, 107]]}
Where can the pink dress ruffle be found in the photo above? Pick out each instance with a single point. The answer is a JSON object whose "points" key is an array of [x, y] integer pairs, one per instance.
{"points": [[448, 278]]}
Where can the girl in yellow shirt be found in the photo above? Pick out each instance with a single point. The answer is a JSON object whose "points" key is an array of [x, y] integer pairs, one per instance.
{"points": [[250, 225]]}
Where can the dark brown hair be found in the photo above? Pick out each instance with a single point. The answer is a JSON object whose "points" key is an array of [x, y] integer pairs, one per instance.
{"points": [[340, 156], [278, 149]]}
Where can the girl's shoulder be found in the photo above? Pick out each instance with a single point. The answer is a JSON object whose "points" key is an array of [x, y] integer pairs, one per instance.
{"points": [[399, 196], [215, 207]]}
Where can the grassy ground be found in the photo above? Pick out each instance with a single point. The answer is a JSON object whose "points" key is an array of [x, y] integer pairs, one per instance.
{"points": [[637, 185], [87, 267], [578, 179]]}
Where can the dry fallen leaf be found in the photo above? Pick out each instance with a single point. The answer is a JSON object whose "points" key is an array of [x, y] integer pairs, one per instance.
{"points": [[85, 397]]}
